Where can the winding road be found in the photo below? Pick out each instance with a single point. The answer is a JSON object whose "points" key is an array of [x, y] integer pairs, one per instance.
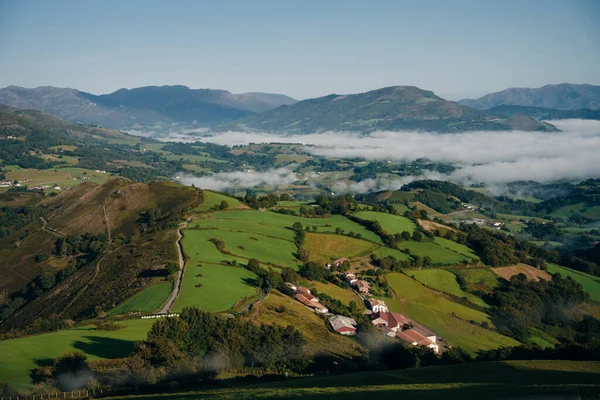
{"points": [[175, 294]]}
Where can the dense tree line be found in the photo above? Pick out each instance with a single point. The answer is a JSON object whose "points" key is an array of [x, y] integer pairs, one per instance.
{"points": [[199, 341], [521, 304]]}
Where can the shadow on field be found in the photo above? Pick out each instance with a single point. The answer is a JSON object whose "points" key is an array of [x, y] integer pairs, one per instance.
{"points": [[105, 347], [250, 282]]}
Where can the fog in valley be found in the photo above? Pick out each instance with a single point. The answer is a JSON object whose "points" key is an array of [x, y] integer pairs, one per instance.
{"points": [[490, 157]]}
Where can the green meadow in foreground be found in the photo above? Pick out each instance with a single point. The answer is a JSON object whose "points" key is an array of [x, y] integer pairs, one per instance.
{"points": [[482, 380], [19, 356]]}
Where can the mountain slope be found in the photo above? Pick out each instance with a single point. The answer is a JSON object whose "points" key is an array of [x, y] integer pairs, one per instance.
{"points": [[544, 113], [390, 108], [145, 106], [564, 96]]}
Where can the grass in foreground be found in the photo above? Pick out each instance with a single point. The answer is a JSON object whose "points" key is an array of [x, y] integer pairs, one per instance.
{"points": [[19, 356], [489, 380]]}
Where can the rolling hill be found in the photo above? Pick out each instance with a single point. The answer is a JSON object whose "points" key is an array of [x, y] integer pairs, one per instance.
{"points": [[542, 113], [564, 96], [144, 106], [390, 108]]}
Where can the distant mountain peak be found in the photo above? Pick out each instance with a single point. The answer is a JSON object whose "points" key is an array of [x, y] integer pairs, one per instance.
{"points": [[562, 96]]}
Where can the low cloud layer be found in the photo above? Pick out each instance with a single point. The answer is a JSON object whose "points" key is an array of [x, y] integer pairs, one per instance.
{"points": [[226, 180], [481, 156]]}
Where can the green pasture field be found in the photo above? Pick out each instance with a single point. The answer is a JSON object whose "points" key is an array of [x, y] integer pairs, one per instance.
{"points": [[19, 356], [482, 279], [343, 295], [325, 247], [434, 310], [147, 301], [212, 199], [438, 254], [444, 281], [590, 283], [456, 247], [198, 249], [386, 252], [324, 225], [222, 287], [389, 222]]}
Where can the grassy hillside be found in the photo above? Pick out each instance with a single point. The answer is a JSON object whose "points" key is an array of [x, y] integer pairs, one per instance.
{"points": [[389, 222], [444, 281], [221, 287], [590, 283], [325, 247], [19, 356], [438, 254], [445, 317], [490, 380]]}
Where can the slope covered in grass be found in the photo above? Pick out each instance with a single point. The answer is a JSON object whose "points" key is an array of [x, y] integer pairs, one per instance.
{"points": [[324, 247], [444, 281], [438, 254], [445, 317], [19, 356], [590, 283], [389, 222], [221, 287], [147, 301]]}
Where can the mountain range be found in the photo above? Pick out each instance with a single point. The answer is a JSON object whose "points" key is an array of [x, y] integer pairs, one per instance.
{"points": [[148, 106], [162, 108], [564, 96], [391, 108]]}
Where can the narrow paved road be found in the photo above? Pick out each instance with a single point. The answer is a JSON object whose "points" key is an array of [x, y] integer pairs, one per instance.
{"points": [[177, 288]]}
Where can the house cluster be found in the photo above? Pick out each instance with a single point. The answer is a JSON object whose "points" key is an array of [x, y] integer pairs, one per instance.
{"points": [[360, 285], [479, 221], [5, 184], [41, 187], [397, 325], [100, 172], [304, 296]]}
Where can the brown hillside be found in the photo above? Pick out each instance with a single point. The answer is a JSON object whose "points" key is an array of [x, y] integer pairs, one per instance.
{"points": [[528, 270]]}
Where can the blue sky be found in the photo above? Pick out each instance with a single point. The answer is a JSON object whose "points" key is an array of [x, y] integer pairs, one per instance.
{"points": [[300, 48]]}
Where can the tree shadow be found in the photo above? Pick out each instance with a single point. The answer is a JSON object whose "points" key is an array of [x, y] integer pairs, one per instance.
{"points": [[250, 282], [105, 347]]}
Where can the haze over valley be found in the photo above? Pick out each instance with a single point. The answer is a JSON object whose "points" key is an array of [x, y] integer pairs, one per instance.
{"points": [[299, 199]]}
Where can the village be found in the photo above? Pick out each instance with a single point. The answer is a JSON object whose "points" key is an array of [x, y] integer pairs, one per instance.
{"points": [[390, 324]]}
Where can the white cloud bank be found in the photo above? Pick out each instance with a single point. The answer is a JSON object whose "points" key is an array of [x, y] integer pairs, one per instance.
{"points": [[225, 180], [481, 156]]}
